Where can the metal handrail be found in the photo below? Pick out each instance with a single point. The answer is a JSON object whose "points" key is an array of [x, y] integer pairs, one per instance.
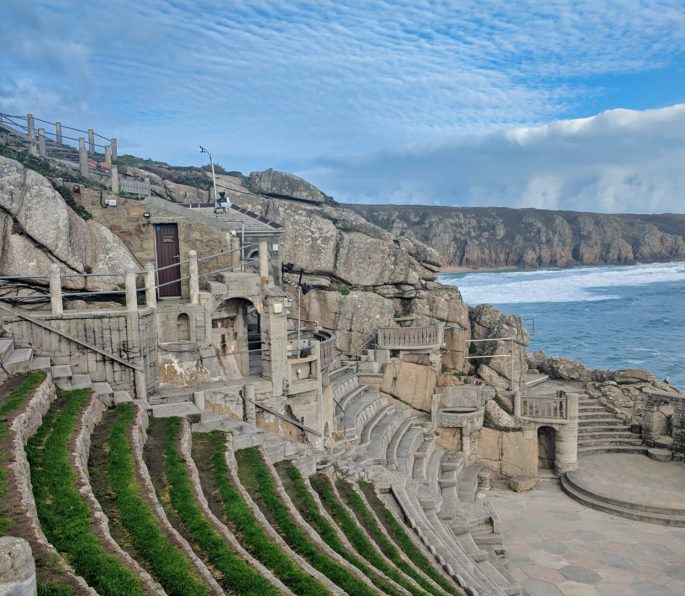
{"points": [[227, 252]]}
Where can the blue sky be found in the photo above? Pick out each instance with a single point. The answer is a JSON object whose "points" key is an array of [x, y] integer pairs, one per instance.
{"points": [[469, 102]]}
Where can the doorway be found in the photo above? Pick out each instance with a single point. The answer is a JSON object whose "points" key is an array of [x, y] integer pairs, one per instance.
{"points": [[168, 255], [546, 447]]}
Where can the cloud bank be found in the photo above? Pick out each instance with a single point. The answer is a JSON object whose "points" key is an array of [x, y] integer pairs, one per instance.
{"points": [[617, 161]]}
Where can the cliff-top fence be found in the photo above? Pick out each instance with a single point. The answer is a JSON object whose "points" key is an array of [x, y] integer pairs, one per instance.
{"points": [[93, 155], [391, 338]]}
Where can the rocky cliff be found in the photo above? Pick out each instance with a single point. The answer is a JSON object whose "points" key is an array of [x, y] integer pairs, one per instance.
{"points": [[529, 238]]}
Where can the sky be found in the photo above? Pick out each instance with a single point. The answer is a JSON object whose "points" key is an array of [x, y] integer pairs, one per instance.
{"points": [[556, 104]]}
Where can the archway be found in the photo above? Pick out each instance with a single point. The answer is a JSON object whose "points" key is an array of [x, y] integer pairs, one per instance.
{"points": [[546, 447]]}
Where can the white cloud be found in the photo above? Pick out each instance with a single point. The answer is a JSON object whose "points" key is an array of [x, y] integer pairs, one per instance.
{"points": [[617, 161]]}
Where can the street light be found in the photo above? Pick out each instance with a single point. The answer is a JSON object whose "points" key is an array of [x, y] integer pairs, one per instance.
{"points": [[211, 162]]}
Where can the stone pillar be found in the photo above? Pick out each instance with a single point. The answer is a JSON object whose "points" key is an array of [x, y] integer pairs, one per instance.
{"points": [[199, 400], [58, 132], [31, 127], [566, 450], [235, 254], [194, 281], [150, 290], [115, 179], [55, 290], [108, 154], [517, 403], [41, 142], [91, 142], [274, 329], [113, 145], [82, 157], [17, 567], [130, 286], [248, 400], [263, 259]]}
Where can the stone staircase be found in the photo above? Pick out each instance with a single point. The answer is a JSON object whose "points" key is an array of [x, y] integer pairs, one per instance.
{"points": [[16, 360], [599, 431]]}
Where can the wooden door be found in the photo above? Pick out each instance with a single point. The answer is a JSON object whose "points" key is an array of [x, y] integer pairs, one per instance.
{"points": [[169, 279]]}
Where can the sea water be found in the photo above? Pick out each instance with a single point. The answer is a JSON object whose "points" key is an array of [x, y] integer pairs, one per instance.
{"points": [[605, 317]]}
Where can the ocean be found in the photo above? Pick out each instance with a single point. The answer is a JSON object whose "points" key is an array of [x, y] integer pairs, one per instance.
{"points": [[605, 317]]}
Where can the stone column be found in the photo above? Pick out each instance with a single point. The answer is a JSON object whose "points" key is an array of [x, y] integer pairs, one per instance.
{"points": [[91, 142], [274, 329], [248, 400], [17, 567], [199, 400], [566, 450], [263, 259], [108, 154], [82, 157], [194, 281], [130, 286], [235, 255], [55, 290], [150, 290], [31, 127], [113, 144], [115, 179], [517, 403], [58, 132], [41, 142]]}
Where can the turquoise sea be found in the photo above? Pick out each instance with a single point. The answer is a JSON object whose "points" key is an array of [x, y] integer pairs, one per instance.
{"points": [[605, 317]]}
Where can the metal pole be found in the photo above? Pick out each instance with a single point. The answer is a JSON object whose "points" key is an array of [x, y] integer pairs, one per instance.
{"points": [[213, 180], [242, 248], [511, 347], [299, 318]]}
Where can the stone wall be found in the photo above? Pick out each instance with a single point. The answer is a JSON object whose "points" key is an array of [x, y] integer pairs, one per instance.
{"points": [[111, 331], [508, 453]]}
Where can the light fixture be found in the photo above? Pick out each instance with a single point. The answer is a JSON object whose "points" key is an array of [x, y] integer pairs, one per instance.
{"points": [[147, 216]]}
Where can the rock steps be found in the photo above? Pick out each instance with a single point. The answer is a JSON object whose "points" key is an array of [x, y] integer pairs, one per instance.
{"points": [[600, 432]]}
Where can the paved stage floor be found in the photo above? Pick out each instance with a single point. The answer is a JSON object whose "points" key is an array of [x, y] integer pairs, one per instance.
{"points": [[558, 546]]}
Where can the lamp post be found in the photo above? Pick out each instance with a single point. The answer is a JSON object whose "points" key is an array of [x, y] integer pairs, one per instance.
{"points": [[211, 163]]}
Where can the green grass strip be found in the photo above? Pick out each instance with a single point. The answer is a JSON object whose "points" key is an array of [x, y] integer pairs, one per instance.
{"points": [[15, 400], [402, 539], [310, 511], [355, 502], [168, 564], [256, 478], [361, 543], [63, 511], [236, 574], [54, 590], [247, 529]]}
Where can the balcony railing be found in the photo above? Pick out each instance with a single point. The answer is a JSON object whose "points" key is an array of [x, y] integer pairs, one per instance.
{"points": [[409, 337], [545, 407]]}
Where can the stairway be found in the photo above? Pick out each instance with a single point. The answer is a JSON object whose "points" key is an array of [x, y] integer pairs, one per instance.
{"points": [[599, 431], [16, 360]]}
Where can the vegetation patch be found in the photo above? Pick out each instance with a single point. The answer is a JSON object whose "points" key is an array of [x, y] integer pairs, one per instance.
{"points": [[63, 511], [402, 539], [366, 519], [361, 543], [489, 422], [131, 513], [232, 572], [65, 193], [256, 478], [209, 452], [8, 405]]}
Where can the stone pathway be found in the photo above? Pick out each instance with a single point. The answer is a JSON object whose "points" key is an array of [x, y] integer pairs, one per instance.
{"points": [[558, 546]]}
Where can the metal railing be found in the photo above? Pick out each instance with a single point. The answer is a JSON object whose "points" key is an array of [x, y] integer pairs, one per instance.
{"points": [[408, 337]]}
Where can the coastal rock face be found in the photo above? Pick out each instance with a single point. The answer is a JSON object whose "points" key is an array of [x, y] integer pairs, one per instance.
{"points": [[530, 238], [509, 356], [282, 184], [39, 228]]}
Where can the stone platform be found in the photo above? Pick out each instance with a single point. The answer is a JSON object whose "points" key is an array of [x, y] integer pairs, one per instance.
{"points": [[556, 545]]}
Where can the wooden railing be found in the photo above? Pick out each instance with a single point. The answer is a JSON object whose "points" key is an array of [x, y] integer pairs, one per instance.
{"points": [[544, 407], [408, 337]]}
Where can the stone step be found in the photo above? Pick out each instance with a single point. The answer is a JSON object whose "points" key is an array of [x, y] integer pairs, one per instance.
{"points": [[41, 363], [618, 435], [174, 410], [664, 442], [605, 421], [6, 348], [609, 442], [591, 409], [81, 381], [636, 511], [610, 449], [660, 454], [122, 397], [601, 414], [61, 371], [468, 483], [18, 360]]}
